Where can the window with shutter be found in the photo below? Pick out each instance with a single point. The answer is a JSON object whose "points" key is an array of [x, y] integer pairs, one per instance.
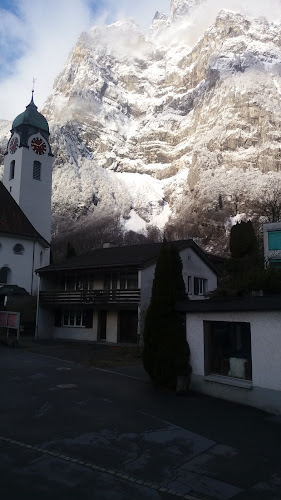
{"points": [[37, 170]]}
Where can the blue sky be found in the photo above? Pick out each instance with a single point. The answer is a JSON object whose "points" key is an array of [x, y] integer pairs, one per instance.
{"points": [[36, 37]]}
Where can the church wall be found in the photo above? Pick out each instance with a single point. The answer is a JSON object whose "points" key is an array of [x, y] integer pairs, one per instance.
{"points": [[22, 266]]}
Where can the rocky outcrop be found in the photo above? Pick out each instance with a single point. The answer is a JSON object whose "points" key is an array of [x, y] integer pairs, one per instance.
{"points": [[157, 117]]}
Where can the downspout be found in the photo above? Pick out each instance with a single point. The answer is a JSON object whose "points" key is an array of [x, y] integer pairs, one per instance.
{"points": [[37, 308], [32, 268]]}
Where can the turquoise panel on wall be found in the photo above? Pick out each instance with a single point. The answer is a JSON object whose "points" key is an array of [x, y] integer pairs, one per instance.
{"points": [[274, 240]]}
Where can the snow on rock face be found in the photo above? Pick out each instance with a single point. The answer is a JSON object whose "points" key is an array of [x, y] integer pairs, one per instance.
{"points": [[141, 125], [183, 7]]}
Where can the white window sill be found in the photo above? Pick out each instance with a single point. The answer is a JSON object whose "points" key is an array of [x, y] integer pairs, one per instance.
{"points": [[234, 382]]}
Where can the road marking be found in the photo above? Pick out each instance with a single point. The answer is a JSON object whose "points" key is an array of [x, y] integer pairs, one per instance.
{"points": [[97, 468], [89, 367], [118, 373]]}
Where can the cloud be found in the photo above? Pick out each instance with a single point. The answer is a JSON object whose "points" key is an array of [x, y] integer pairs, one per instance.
{"points": [[37, 37], [35, 42], [141, 11]]}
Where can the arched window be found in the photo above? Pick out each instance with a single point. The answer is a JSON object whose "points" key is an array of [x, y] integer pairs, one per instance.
{"points": [[37, 170], [4, 272], [18, 249], [12, 170]]}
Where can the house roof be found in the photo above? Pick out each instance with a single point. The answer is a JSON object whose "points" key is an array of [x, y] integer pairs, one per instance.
{"points": [[117, 257], [12, 290], [228, 304], [12, 219]]}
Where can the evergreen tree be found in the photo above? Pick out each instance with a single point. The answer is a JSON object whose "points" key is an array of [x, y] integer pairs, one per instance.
{"points": [[243, 246], [166, 352]]}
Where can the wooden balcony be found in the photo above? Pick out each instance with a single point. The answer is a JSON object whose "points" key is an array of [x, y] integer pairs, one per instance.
{"points": [[87, 297]]}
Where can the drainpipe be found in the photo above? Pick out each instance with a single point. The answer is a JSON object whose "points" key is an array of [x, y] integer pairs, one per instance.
{"points": [[37, 308], [32, 268]]}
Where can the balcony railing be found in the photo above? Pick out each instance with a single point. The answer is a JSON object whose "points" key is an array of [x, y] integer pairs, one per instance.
{"points": [[90, 297]]}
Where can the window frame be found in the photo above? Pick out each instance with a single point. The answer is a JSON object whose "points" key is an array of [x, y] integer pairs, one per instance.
{"points": [[2, 269], [12, 170], [235, 330], [200, 286], [20, 250], [68, 314]]}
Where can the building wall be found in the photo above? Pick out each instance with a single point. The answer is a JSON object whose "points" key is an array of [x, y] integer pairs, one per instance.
{"points": [[22, 266], [192, 266], [270, 254], [47, 328], [33, 196], [111, 326], [265, 390]]}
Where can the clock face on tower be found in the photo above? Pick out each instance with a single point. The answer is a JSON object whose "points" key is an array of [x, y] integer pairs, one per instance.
{"points": [[38, 145], [14, 144]]}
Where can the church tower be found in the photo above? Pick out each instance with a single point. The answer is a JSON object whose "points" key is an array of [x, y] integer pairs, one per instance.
{"points": [[28, 168]]}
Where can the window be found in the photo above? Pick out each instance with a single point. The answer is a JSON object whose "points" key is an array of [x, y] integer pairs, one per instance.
{"points": [[4, 272], [274, 263], [37, 170], [12, 170], [274, 240], [18, 249], [128, 281], [74, 318], [200, 286], [189, 285], [228, 349]]}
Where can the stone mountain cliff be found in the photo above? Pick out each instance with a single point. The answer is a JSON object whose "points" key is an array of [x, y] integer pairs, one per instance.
{"points": [[151, 128]]}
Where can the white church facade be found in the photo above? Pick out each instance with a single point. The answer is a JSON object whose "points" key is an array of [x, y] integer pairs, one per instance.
{"points": [[25, 201]]}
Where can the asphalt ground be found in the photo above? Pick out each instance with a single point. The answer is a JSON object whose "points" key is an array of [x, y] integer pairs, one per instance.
{"points": [[72, 431]]}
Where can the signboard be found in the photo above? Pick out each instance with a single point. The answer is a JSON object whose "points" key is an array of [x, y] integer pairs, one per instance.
{"points": [[9, 320]]}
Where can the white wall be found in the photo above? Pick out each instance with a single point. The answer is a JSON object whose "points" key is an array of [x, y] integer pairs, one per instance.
{"points": [[192, 266], [22, 266], [111, 326], [196, 267], [33, 196], [266, 349]]}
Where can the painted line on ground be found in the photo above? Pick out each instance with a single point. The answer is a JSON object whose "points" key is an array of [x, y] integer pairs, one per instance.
{"points": [[89, 367], [97, 468], [118, 373]]}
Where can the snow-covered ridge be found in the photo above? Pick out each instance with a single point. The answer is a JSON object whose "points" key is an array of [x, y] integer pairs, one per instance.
{"points": [[148, 126]]}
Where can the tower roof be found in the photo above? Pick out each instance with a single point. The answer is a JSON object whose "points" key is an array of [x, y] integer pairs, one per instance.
{"points": [[31, 117]]}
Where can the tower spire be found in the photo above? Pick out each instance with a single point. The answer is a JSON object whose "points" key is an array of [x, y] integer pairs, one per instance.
{"points": [[32, 91]]}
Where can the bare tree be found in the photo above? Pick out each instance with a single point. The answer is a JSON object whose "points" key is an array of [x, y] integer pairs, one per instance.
{"points": [[269, 205]]}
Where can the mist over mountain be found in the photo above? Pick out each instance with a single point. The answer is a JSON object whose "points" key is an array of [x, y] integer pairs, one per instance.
{"points": [[176, 128]]}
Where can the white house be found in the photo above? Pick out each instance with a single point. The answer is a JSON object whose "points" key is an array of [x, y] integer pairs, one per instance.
{"points": [[235, 349], [103, 296], [25, 201]]}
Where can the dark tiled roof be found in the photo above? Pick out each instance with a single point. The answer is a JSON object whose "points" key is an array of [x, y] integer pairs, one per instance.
{"points": [[221, 304], [12, 219], [116, 257]]}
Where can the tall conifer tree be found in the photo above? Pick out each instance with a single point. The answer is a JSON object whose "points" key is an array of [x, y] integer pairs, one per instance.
{"points": [[166, 352]]}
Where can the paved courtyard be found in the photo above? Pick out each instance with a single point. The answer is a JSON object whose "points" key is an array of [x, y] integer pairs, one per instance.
{"points": [[71, 431]]}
